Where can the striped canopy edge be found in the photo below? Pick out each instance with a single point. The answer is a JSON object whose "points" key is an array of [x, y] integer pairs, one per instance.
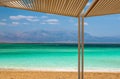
{"points": [[103, 7], [60, 7]]}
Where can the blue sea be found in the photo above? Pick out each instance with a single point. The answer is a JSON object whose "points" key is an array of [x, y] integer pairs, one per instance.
{"points": [[63, 57]]}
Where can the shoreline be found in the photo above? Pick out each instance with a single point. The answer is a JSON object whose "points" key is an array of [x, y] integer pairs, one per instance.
{"points": [[58, 70]]}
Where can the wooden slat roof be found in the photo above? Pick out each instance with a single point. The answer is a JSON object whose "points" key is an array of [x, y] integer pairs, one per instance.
{"points": [[103, 7], [60, 7]]}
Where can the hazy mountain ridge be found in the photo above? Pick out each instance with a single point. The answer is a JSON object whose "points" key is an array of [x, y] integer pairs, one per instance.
{"points": [[51, 36]]}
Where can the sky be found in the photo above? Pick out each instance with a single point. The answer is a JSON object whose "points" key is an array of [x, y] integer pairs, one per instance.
{"points": [[17, 21]]}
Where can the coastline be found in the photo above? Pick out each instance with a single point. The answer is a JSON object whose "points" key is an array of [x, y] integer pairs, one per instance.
{"points": [[24, 74], [61, 70], [24, 65]]}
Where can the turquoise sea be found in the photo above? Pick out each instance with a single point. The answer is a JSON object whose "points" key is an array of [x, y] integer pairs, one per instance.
{"points": [[98, 57]]}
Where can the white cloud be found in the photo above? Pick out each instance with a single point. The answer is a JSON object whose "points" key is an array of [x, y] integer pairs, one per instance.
{"points": [[28, 18], [86, 24], [51, 21], [44, 17], [15, 23], [32, 20], [3, 23], [19, 17], [25, 23]]}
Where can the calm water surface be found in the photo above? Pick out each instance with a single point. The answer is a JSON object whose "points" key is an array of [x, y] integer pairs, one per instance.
{"points": [[59, 56]]}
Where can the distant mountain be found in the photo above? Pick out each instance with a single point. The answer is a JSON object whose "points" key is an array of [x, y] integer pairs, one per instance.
{"points": [[51, 36]]}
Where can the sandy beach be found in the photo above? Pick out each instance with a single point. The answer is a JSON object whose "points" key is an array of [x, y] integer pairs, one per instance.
{"points": [[16, 74]]}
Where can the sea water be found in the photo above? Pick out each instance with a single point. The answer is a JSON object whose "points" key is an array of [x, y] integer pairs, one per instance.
{"points": [[64, 57]]}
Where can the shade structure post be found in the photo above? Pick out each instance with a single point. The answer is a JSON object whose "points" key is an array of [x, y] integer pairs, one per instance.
{"points": [[81, 46], [82, 74], [78, 47]]}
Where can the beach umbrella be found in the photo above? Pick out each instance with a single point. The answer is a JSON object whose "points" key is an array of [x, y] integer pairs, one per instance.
{"points": [[71, 8]]}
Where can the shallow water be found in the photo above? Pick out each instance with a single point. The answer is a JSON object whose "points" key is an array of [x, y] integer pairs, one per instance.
{"points": [[59, 56]]}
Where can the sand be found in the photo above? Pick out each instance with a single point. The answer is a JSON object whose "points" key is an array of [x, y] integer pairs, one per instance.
{"points": [[15, 74]]}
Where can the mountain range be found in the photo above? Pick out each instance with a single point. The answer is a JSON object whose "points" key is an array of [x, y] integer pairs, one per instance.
{"points": [[40, 36]]}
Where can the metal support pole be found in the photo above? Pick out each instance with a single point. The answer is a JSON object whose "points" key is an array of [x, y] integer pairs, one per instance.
{"points": [[78, 47], [82, 48]]}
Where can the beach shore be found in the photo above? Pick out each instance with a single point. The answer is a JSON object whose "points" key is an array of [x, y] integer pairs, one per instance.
{"points": [[20, 74]]}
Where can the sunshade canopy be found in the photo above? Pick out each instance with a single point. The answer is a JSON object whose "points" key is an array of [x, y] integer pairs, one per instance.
{"points": [[103, 7], [60, 7]]}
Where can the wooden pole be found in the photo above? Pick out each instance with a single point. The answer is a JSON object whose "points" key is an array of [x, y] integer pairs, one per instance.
{"points": [[82, 74], [78, 47]]}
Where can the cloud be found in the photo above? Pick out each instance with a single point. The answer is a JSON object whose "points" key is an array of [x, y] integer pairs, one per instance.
{"points": [[44, 17], [51, 21], [26, 23], [32, 20], [28, 18], [49, 14], [15, 23], [86, 24], [3, 23], [19, 17]]}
